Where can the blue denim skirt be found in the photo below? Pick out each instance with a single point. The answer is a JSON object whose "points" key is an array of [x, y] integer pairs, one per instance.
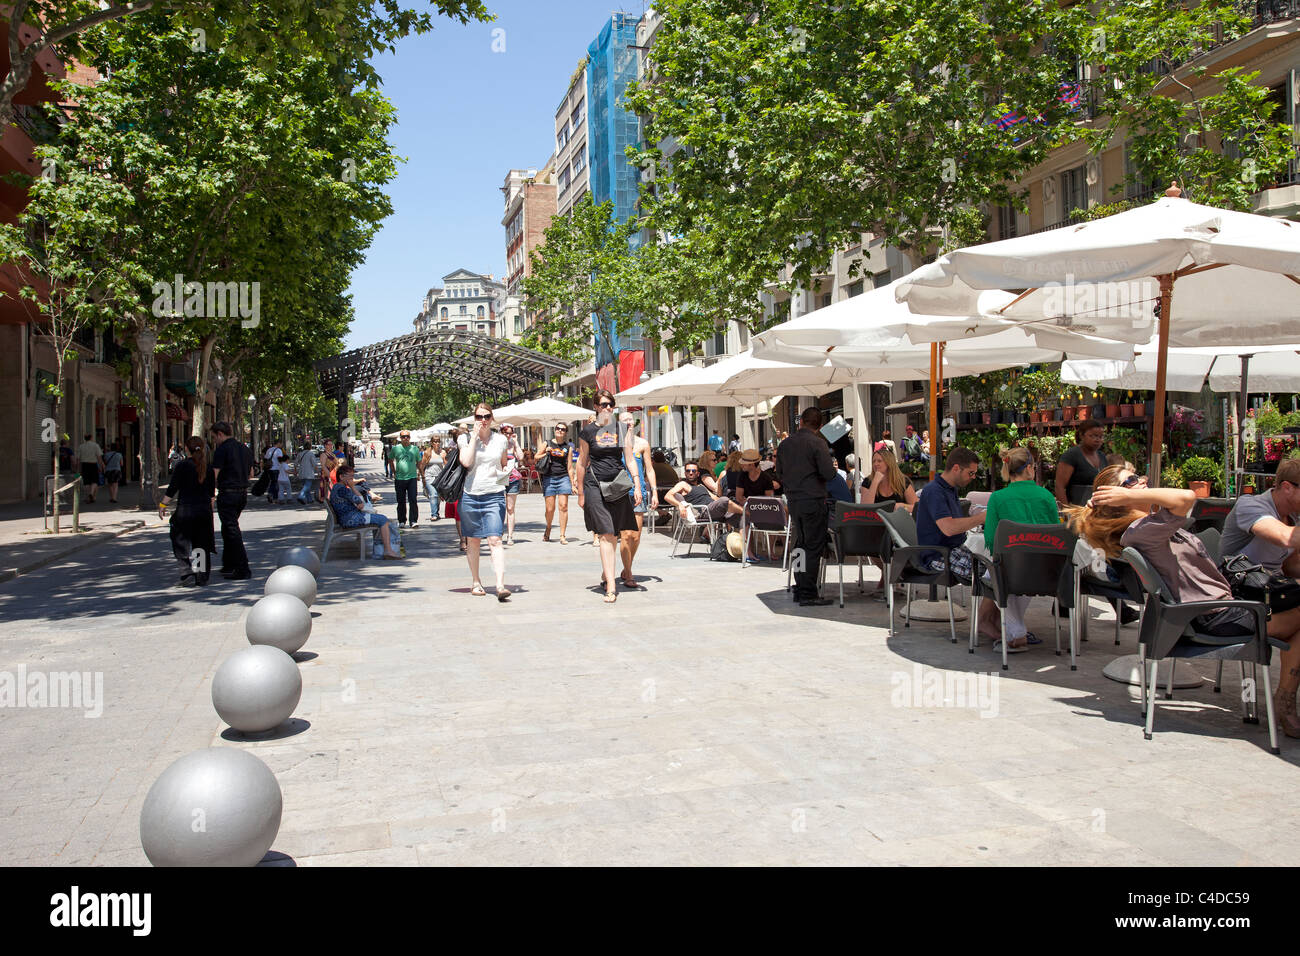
{"points": [[556, 485], [483, 516]]}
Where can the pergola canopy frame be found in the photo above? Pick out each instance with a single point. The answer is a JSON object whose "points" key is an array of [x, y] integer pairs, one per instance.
{"points": [[495, 368]]}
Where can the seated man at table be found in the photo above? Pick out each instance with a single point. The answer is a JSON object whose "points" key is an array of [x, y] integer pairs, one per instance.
{"points": [[700, 489], [1266, 528], [938, 514]]}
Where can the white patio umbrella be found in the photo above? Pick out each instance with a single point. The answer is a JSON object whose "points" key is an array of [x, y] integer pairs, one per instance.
{"points": [[1218, 277], [441, 428], [541, 411]]}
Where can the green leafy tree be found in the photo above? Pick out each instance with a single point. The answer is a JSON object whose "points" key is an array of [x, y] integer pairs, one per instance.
{"points": [[804, 125], [1215, 132], [586, 287], [344, 33]]}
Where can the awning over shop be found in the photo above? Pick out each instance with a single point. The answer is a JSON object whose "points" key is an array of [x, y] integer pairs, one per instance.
{"points": [[176, 413], [905, 408]]}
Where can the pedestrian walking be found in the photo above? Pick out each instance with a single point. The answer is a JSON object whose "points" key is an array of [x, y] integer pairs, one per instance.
{"points": [[514, 480], [306, 466], [192, 487], [555, 468], [605, 476], [482, 506], [803, 467], [431, 465], [91, 457], [232, 467], [113, 465], [405, 458], [272, 460], [452, 508], [629, 541]]}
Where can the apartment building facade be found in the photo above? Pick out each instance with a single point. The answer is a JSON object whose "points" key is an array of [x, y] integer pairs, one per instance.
{"points": [[466, 302]]}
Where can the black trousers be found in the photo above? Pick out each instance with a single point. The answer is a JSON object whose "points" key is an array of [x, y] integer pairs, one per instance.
{"points": [[230, 505], [809, 519], [193, 543], [406, 491]]}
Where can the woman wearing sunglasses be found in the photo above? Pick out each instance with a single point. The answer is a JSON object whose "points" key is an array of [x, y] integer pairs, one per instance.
{"points": [[1124, 512], [482, 507], [605, 475], [555, 468]]}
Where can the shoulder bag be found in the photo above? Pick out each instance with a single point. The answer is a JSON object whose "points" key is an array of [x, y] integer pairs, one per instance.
{"points": [[620, 486], [451, 482], [1250, 582]]}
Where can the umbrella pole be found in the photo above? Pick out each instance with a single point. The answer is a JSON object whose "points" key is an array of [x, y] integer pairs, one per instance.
{"points": [[1162, 368], [1242, 402], [934, 409]]}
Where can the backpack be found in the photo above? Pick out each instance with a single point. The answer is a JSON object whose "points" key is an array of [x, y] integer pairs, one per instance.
{"points": [[718, 549]]}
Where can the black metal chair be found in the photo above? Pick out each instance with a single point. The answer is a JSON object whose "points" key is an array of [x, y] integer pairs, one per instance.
{"points": [[1169, 631], [858, 531], [1088, 585], [765, 515], [1209, 513], [904, 566], [1030, 560]]}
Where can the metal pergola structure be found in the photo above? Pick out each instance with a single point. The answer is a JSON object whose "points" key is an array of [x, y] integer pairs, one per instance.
{"points": [[492, 367]]}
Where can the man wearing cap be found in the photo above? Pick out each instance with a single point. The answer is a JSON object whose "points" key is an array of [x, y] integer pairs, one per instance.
{"points": [[753, 482], [232, 466], [406, 475], [803, 467]]}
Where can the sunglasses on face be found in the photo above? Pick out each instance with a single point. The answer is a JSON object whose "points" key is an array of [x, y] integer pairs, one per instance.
{"points": [[1130, 481], [692, 471], [604, 404], [481, 418]]}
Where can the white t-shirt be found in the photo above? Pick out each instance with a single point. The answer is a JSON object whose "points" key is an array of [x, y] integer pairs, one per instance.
{"points": [[89, 452], [275, 458], [486, 476]]}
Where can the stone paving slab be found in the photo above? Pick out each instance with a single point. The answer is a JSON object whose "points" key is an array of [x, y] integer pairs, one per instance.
{"points": [[707, 720]]}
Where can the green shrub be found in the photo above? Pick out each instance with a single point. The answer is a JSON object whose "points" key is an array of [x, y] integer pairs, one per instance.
{"points": [[1172, 477], [1201, 468]]}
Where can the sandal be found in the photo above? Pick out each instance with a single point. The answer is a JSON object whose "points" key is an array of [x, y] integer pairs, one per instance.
{"points": [[1033, 638], [611, 597], [477, 590], [563, 540], [392, 557], [632, 585], [547, 536], [1012, 647], [503, 595]]}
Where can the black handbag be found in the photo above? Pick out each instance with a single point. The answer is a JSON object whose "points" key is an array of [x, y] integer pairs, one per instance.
{"points": [[1250, 582], [451, 482], [262, 483]]}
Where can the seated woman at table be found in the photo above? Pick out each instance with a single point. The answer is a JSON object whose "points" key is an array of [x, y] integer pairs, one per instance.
{"points": [[1022, 500], [348, 505], [887, 482], [1124, 512]]}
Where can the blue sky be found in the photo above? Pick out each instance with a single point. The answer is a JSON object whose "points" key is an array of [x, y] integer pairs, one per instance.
{"points": [[466, 116]]}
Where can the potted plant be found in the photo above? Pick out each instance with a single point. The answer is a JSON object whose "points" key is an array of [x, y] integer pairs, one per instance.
{"points": [[1292, 425], [1098, 407], [1149, 407], [1172, 477], [1126, 408], [1203, 475], [1111, 398]]}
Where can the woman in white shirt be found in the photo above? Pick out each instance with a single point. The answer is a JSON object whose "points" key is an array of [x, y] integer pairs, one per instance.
{"points": [[482, 506]]}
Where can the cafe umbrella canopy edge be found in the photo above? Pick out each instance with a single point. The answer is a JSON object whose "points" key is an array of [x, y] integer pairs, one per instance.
{"points": [[1126, 263]]}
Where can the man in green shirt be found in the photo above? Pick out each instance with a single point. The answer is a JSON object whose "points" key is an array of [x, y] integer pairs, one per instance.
{"points": [[406, 464]]}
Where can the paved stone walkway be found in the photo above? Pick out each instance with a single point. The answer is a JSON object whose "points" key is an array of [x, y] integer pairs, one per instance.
{"points": [[706, 720]]}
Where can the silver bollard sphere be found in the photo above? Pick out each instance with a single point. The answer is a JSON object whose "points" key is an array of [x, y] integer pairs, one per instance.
{"points": [[292, 579], [257, 688], [280, 620], [300, 556], [214, 807]]}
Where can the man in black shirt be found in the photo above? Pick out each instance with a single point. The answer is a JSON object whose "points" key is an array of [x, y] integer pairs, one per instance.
{"points": [[232, 465], [803, 466]]}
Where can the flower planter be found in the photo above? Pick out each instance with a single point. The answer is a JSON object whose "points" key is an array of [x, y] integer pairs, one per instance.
{"points": [[1126, 411], [1112, 411], [1058, 414], [1149, 407], [1248, 489], [1082, 412], [986, 418], [1065, 414], [1200, 488], [964, 418], [1098, 411]]}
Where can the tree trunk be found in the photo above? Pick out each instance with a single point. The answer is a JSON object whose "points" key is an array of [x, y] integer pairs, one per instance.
{"points": [[201, 383]]}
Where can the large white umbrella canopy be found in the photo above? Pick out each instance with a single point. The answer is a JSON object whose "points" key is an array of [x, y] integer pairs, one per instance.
{"points": [[1219, 277], [441, 428], [541, 411], [1272, 368], [703, 385]]}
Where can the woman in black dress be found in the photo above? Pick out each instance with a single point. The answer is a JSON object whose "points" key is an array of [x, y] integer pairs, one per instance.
{"points": [[1079, 466], [602, 458], [192, 487]]}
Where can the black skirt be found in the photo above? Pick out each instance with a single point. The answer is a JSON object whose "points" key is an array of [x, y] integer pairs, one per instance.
{"points": [[606, 517]]}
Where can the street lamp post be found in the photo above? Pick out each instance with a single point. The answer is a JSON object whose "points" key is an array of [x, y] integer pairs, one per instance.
{"points": [[146, 340]]}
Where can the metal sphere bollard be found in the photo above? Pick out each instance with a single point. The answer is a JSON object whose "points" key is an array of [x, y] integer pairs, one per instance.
{"points": [[257, 688], [214, 807], [300, 556], [292, 579], [280, 620]]}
